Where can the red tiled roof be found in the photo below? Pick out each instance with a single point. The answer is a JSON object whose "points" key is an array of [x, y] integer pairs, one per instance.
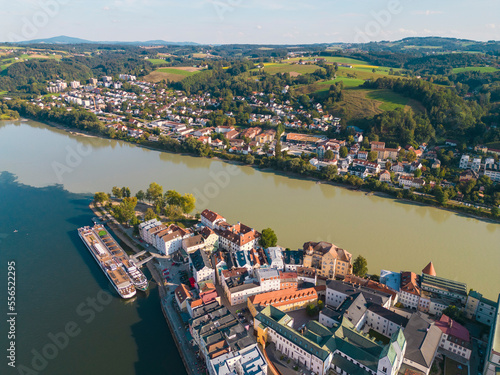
{"points": [[429, 270], [452, 328], [211, 216], [284, 297]]}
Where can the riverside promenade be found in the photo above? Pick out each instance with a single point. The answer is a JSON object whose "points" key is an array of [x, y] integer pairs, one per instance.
{"points": [[186, 350]]}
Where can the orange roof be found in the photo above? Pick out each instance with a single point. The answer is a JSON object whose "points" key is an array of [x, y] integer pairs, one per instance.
{"points": [[234, 272], [196, 303], [284, 297], [429, 270], [409, 283]]}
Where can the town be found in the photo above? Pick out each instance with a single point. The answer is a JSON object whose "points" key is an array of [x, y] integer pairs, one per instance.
{"points": [[250, 306], [449, 174]]}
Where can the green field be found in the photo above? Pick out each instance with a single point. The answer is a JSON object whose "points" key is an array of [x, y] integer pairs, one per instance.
{"points": [[176, 71], [157, 61], [171, 74], [390, 100], [348, 82], [482, 69], [337, 59], [290, 68]]}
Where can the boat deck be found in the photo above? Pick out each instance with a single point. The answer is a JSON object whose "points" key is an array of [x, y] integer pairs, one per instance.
{"points": [[100, 246]]}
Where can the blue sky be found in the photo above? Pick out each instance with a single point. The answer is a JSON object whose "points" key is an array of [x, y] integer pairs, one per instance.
{"points": [[249, 21]]}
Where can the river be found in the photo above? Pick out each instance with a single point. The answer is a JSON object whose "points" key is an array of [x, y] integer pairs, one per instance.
{"points": [[390, 234]]}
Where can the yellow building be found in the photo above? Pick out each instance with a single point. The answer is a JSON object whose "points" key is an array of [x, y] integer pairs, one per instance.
{"points": [[330, 261]]}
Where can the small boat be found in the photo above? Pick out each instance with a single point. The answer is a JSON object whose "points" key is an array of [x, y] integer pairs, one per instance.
{"points": [[15, 231]]}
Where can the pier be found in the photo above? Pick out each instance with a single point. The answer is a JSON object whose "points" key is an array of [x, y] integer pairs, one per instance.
{"points": [[173, 320]]}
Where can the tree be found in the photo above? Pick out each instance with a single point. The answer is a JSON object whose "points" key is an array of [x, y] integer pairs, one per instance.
{"points": [[125, 192], [173, 198], [188, 202], [125, 211], [417, 173], [117, 192], [360, 266], [268, 238], [311, 310], [372, 156], [101, 197], [149, 215], [154, 191], [411, 156], [330, 172], [174, 212], [321, 304], [249, 159], [441, 195], [454, 313], [495, 211], [343, 151], [329, 155], [140, 195], [388, 165]]}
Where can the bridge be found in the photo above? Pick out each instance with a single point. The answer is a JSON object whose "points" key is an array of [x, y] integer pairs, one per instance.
{"points": [[142, 262], [139, 263], [136, 256]]}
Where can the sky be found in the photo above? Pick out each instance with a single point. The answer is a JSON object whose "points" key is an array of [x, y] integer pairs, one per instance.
{"points": [[249, 21]]}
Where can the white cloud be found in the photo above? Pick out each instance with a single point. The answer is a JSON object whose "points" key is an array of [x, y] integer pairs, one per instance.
{"points": [[407, 32], [491, 25]]}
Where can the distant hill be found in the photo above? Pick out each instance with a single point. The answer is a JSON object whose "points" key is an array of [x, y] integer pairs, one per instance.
{"points": [[70, 40], [431, 44]]}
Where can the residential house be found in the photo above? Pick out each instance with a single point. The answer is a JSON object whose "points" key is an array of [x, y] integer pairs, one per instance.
{"points": [[455, 338], [423, 339], [409, 292], [330, 260], [182, 294], [358, 170], [476, 164], [201, 267], [464, 162], [275, 257], [492, 363], [246, 361], [238, 237], [288, 280], [211, 219], [169, 240], [408, 182], [480, 308], [193, 243], [385, 176], [210, 238]]}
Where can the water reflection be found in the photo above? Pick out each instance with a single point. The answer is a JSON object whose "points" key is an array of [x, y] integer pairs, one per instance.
{"points": [[297, 209]]}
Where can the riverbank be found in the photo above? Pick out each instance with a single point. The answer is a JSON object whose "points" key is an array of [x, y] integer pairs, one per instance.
{"points": [[187, 355], [383, 191]]}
